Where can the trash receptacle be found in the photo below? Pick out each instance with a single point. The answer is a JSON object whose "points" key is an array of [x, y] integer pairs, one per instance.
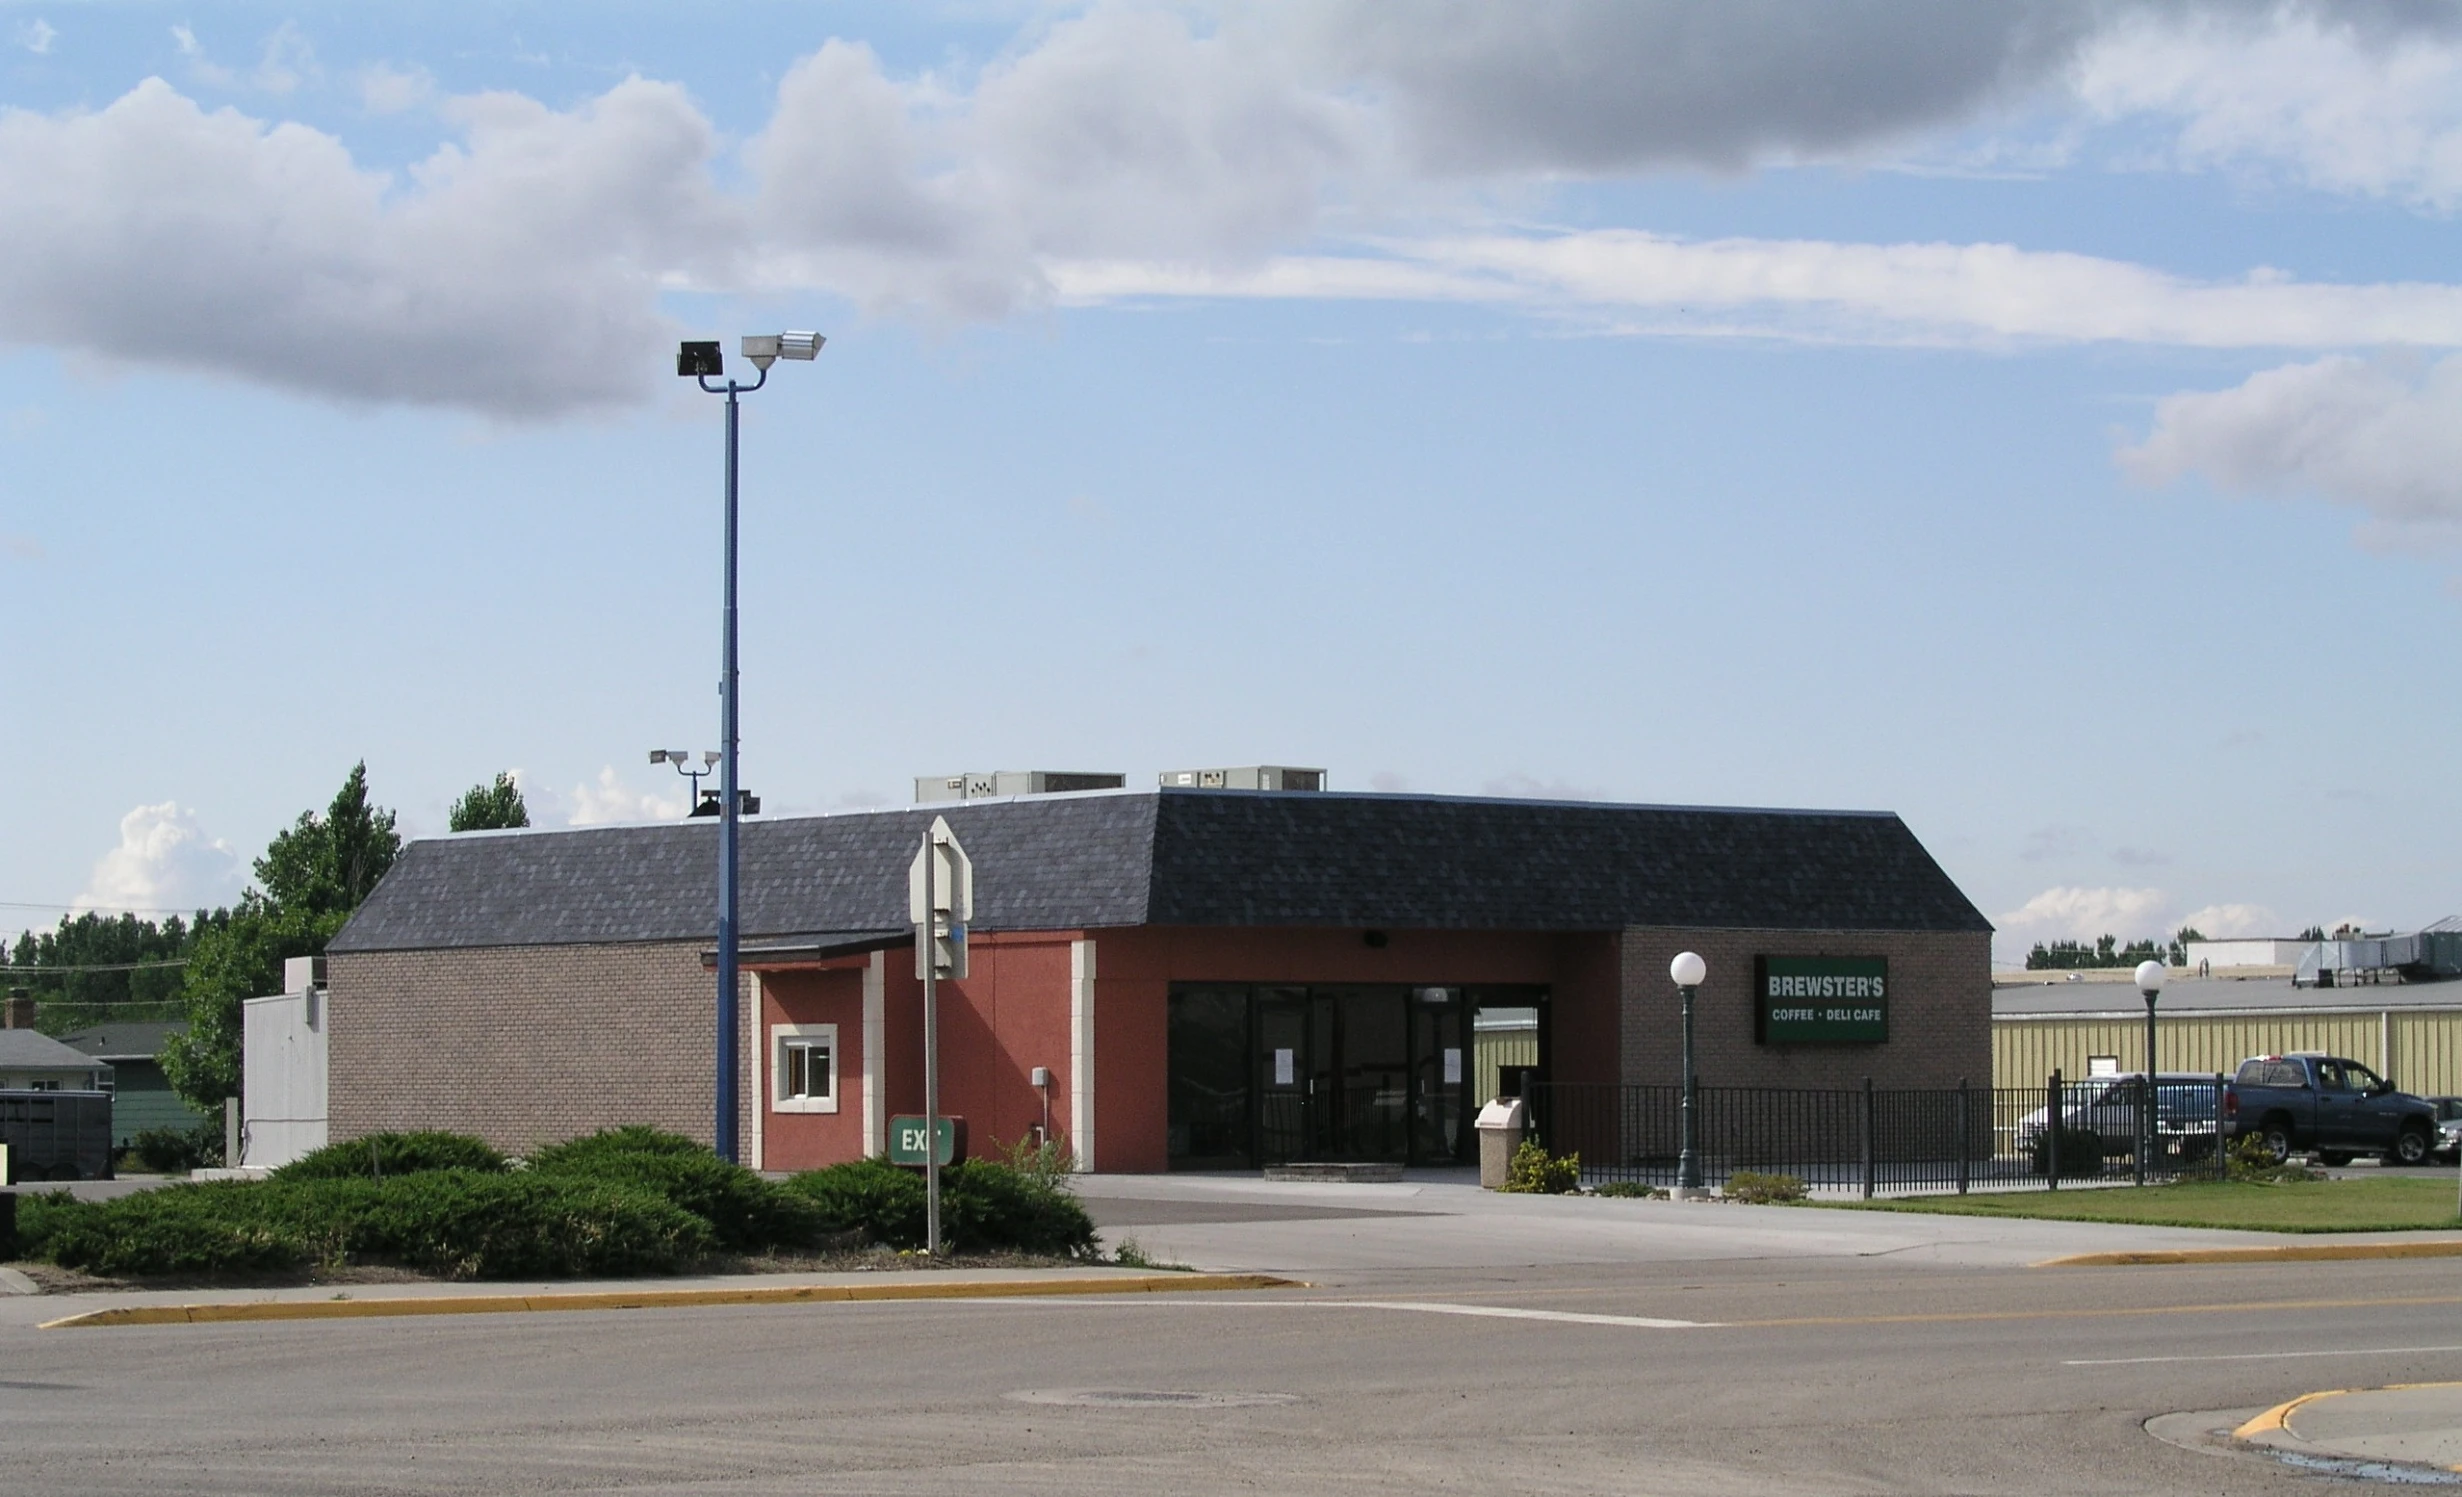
{"points": [[1501, 1126]]}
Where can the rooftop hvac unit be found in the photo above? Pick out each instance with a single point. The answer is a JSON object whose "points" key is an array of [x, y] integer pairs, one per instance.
{"points": [[978, 784], [1246, 777]]}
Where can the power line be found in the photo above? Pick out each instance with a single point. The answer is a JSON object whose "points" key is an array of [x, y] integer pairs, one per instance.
{"points": [[122, 909], [43, 969]]}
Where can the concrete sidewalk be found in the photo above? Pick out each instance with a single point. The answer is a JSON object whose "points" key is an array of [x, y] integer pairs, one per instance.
{"points": [[2418, 1424], [1441, 1220]]}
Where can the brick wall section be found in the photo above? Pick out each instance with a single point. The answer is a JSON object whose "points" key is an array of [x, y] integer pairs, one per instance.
{"points": [[1940, 1010], [525, 1045]]}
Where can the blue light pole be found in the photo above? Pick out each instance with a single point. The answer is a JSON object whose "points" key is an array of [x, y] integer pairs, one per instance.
{"points": [[701, 362]]}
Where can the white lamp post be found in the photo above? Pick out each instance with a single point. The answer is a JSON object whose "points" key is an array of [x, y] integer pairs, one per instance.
{"points": [[1688, 969], [2150, 977]]}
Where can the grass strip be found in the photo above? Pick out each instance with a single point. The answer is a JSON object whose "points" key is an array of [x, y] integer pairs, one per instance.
{"points": [[2397, 1204]]}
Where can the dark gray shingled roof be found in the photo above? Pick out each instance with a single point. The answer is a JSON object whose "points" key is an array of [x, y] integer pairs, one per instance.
{"points": [[1183, 857]]}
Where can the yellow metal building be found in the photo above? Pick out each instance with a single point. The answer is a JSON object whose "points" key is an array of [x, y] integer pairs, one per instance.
{"points": [[2410, 1033]]}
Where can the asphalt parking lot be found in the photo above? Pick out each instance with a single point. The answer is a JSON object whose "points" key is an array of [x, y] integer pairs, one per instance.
{"points": [[1449, 1342]]}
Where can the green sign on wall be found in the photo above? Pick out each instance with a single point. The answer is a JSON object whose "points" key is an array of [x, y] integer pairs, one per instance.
{"points": [[906, 1140], [1821, 1000]]}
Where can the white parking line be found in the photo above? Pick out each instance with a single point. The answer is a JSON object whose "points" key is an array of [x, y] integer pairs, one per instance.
{"points": [[1500, 1312], [2259, 1356]]}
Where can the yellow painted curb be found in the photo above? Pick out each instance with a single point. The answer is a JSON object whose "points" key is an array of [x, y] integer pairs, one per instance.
{"points": [[2277, 1420], [2323, 1252], [660, 1299]]}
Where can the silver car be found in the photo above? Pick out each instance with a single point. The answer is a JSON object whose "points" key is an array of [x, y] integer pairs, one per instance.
{"points": [[2107, 1107]]}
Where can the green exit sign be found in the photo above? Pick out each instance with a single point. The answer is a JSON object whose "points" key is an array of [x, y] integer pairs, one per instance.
{"points": [[906, 1141]]}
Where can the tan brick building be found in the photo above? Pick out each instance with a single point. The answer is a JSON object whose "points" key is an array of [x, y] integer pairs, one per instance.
{"points": [[1169, 979]]}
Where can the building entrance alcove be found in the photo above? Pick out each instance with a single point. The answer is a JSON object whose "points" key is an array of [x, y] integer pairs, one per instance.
{"points": [[1274, 1074]]}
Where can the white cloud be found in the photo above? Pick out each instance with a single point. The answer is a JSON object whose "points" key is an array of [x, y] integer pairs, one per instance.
{"points": [[2083, 914], [2381, 435], [1819, 289], [1154, 150], [385, 89], [37, 35], [611, 800], [165, 861], [2086, 914], [288, 61], [2222, 921], [2360, 99], [515, 272]]}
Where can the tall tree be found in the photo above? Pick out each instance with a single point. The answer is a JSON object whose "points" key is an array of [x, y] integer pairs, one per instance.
{"points": [[312, 875], [490, 808], [326, 864]]}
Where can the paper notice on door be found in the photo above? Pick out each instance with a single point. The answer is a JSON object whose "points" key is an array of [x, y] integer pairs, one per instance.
{"points": [[1453, 1066], [1282, 1067]]}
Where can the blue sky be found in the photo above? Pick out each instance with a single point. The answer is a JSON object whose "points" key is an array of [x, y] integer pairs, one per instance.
{"points": [[2038, 420]]}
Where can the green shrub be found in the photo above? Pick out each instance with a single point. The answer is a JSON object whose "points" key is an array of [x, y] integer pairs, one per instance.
{"points": [[1536, 1172], [2250, 1161], [176, 1151], [1050, 1162], [984, 1207], [1631, 1190], [870, 1196], [633, 1139], [745, 1212], [1755, 1189], [40, 1215], [465, 1224], [381, 1156], [990, 1207], [220, 1227], [469, 1225]]}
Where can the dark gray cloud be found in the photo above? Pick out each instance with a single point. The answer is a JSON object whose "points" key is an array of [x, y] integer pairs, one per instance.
{"points": [[1560, 85]]}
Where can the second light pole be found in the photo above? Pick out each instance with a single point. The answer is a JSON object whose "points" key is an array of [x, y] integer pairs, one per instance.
{"points": [[701, 361], [1688, 969], [2149, 982]]}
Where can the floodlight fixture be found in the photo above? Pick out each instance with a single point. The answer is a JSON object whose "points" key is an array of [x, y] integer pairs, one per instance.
{"points": [[658, 756], [696, 360], [708, 756], [765, 349]]}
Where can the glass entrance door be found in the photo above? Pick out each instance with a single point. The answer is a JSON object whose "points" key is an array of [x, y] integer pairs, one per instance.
{"points": [[1263, 1075], [1369, 1076], [1294, 1039]]}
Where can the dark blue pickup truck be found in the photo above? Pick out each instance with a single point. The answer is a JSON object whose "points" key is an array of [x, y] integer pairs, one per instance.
{"points": [[2327, 1104]]}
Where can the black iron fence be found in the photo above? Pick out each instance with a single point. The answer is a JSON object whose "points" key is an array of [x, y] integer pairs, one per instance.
{"points": [[1889, 1141]]}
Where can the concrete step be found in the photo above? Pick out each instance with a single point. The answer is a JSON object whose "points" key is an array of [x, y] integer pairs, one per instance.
{"points": [[1341, 1174]]}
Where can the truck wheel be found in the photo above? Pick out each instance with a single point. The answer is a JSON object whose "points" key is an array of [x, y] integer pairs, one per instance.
{"points": [[2277, 1136], [2410, 1147]]}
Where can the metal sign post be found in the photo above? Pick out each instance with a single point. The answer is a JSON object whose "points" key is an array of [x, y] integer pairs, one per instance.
{"points": [[940, 899]]}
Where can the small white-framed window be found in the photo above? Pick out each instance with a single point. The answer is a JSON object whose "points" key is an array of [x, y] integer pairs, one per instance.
{"points": [[803, 1067]]}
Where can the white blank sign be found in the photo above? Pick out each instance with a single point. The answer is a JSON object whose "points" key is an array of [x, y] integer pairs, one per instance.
{"points": [[1282, 1068]]}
